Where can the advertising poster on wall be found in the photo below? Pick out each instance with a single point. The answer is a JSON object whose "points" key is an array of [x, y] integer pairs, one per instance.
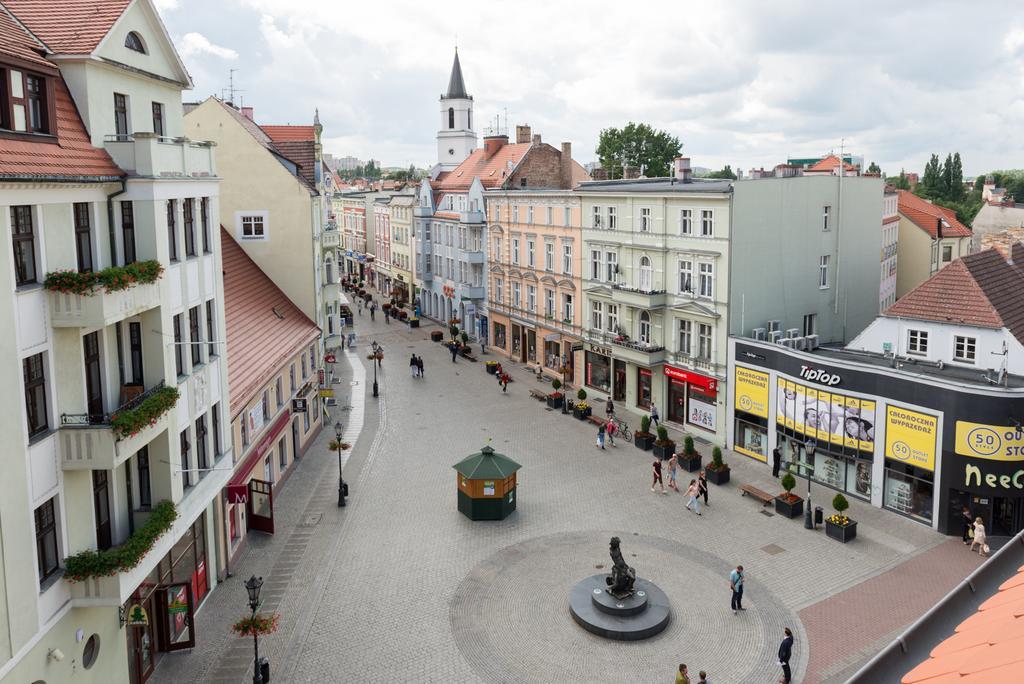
{"points": [[751, 391], [991, 442], [826, 416], [702, 414], [910, 437]]}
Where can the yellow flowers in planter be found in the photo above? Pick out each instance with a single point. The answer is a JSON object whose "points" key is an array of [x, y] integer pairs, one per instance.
{"points": [[841, 520]]}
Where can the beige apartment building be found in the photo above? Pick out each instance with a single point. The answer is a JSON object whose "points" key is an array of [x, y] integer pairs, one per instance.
{"points": [[930, 238], [402, 256]]}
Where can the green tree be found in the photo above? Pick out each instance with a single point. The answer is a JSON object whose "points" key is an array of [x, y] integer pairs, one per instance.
{"points": [[931, 181], [946, 187], [874, 168], [411, 173], [956, 179], [900, 182], [726, 173], [638, 145]]}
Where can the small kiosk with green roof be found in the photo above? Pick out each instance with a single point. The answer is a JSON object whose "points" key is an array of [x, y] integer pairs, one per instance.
{"points": [[487, 485]]}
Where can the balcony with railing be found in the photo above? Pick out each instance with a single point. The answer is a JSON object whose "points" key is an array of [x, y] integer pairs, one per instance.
{"points": [[105, 441], [637, 351], [102, 308], [472, 256], [330, 238], [701, 363], [153, 156], [639, 298]]}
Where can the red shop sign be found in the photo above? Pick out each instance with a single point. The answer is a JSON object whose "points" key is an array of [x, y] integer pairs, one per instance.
{"points": [[709, 385], [238, 493]]}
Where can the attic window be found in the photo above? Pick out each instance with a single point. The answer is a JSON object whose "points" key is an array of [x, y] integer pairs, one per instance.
{"points": [[133, 41]]}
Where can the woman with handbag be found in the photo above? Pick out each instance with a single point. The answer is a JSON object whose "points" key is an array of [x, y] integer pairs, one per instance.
{"points": [[979, 537]]}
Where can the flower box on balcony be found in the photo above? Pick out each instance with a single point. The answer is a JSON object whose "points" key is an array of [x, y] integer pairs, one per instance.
{"points": [[92, 563]]}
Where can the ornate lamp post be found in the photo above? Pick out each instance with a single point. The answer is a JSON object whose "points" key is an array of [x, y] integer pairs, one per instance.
{"points": [[810, 446], [342, 487], [253, 585]]}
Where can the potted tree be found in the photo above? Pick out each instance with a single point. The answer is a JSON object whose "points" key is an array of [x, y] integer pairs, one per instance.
{"points": [[643, 438], [663, 446], [690, 459], [436, 335], [555, 398], [788, 503], [582, 408], [838, 526], [717, 470]]}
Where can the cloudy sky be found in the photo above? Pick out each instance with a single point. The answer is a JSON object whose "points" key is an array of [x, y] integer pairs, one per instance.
{"points": [[743, 83]]}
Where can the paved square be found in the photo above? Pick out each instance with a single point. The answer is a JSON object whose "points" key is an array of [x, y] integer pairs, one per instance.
{"points": [[399, 586]]}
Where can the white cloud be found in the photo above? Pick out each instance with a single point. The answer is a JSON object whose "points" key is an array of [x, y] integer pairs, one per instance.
{"points": [[196, 44], [166, 5]]}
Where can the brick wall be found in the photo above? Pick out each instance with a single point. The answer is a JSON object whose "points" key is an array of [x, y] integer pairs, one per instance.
{"points": [[541, 169]]}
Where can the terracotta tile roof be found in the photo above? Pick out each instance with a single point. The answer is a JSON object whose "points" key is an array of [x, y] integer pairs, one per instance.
{"points": [[925, 216], [15, 41], [986, 648], [72, 27], [980, 289], [290, 133], [829, 163], [492, 172], [259, 342]]}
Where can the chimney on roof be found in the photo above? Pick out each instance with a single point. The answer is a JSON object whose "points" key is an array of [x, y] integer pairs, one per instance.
{"points": [[523, 134], [938, 228], [565, 167], [536, 138], [683, 172], [247, 113], [493, 143]]}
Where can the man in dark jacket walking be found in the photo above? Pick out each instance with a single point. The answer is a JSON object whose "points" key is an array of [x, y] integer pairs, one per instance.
{"points": [[785, 652], [776, 461]]}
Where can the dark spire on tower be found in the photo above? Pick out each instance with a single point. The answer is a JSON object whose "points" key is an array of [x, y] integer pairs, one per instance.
{"points": [[456, 86]]}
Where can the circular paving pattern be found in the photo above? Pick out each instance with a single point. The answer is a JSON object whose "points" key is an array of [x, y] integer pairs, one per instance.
{"points": [[510, 615]]}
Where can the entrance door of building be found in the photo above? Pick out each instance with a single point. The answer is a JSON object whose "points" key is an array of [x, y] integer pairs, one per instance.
{"points": [[101, 508], [142, 653], [1006, 516], [93, 382], [295, 438], [619, 380], [261, 506], [174, 603]]}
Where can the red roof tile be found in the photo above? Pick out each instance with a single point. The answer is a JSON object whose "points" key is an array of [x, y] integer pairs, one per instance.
{"points": [[926, 215], [290, 133], [303, 153], [492, 171], [829, 163], [73, 27], [980, 289], [16, 42], [259, 342]]}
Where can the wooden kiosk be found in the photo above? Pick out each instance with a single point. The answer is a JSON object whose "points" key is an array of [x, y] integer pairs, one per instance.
{"points": [[487, 485]]}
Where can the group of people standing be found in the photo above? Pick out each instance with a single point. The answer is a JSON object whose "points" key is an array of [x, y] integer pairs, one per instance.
{"points": [[785, 653], [974, 532], [416, 366]]}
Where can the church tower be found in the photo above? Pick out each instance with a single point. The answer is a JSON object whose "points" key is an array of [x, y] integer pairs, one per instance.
{"points": [[456, 140]]}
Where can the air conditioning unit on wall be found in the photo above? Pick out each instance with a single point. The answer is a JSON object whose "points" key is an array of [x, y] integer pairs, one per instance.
{"points": [[774, 336], [793, 333], [759, 334], [774, 325], [787, 342], [812, 342]]}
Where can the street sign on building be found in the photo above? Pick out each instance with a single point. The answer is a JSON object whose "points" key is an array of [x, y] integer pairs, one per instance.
{"points": [[238, 493], [298, 405], [326, 392]]}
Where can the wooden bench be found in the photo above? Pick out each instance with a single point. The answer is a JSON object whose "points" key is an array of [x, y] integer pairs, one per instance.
{"points": [[596, 420], [759, 494], [538, 395]]}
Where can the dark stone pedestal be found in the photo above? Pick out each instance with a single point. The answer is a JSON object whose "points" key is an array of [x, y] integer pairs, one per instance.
{"points": [[639, 616]]}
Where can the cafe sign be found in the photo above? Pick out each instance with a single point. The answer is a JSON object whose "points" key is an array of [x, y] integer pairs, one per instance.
{"points": [[604, 351]]}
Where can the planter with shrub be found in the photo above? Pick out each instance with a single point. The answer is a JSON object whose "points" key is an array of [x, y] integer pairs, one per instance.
{"points": [[838, 526], [690, 459], [555, 399], [788, 503], [663, 446], [581, 409], [717, 470], [642, 438], [436, 335]]}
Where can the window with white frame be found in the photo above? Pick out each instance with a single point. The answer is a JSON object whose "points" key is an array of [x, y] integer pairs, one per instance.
{"points": [[706, 276], [567, 307], [531, 298], [549, 212], [826, 214], [531, 257], [613, 318], [497, 249], [529, 214], [499, 289], [704, 348], [597, 315], [707, 222], [917, 342], [685, 336], [685, 276], [611, 265], [251, 225], [685, 221], [597, 217], [595, 264], [823, 271], [516, 295], [566, 216], [645, 219], [646, 272], [964, 348], [566, 258], [644, 331], [515, 213], [515, 251], [612, 219], [549, 302], [549, 256]]}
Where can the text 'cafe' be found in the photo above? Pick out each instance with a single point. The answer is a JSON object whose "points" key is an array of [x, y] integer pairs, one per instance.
{"points": [[921, 442]]}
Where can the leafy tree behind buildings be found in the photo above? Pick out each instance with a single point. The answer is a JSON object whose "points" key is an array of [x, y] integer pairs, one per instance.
{"points": [[637, 145], [725, 173], [874, 168], [899, 182]]}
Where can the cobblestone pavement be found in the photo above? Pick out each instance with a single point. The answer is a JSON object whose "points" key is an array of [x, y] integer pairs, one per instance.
{"points": [[400, 587]]}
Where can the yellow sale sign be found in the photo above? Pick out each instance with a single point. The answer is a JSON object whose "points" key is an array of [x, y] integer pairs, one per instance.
{"points": [[751, 391], [910, 437], [992, 442]]}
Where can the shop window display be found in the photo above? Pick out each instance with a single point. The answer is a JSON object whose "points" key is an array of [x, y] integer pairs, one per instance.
{"points": [[599, 370], [908, 490], [751, 440], [643, 387]]}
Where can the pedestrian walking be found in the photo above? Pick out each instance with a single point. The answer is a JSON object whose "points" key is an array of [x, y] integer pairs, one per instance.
{"points": [[602, 429], [360, 307], [657, 476], [702, 485], [968, 523], [979, 537], [703, 677], [693, 491], [504, 382], [682, 677], [673, 465], [351, 339], [654, 414], [419, 365], [785, 653], [610, 429], [776, 461], [373, 311], [736, 584], [454, 350], [387, 315], [412, 364], [609, 408]]}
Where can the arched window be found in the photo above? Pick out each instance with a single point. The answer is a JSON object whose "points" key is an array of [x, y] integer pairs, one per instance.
{"points": [[133, 41], [451, 117], [646, 274], [645, 327]]}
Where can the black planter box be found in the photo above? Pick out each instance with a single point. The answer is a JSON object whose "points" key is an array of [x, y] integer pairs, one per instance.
{"points": [[491, 368], [719, 477], [581, 415], [644, 442], [414, 322], [790, 510], [664, 452], [840, 533], [436, 336], [692, 465], [554, 402]]}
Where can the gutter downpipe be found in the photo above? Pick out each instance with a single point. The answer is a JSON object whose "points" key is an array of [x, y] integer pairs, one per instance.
{"points": [[111, 232]]}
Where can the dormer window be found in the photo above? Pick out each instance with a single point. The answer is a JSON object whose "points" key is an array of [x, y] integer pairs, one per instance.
{"points": [[25, 102], [133, 41]]}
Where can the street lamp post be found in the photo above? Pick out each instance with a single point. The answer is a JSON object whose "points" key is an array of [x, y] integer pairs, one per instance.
{"points": [[253, 585], [342, 487], [809, 445]]}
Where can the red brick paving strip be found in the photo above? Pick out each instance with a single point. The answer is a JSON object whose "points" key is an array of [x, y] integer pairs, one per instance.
{"points": [[842, 625]]}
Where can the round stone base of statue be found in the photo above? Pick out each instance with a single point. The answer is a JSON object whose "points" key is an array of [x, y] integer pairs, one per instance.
{"points": [[632, 618]]}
